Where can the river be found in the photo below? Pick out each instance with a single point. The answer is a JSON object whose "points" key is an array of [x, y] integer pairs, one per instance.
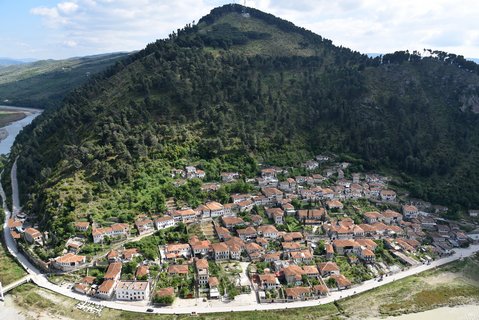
{"points": [[14, 128]]}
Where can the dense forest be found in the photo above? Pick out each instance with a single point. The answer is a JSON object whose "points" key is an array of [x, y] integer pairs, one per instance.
{"points": [[239, 88]]}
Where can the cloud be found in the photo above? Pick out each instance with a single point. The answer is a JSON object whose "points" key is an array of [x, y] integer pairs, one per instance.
{"points": [[67, 7], [50, 13], [363, 25], [120, 25], [57, 15], [70, 43], [386, 25]]}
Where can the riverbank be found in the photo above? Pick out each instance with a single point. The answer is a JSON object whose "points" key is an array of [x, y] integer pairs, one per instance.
{"points": [[8, 117], [3, 134], [12, 121]]}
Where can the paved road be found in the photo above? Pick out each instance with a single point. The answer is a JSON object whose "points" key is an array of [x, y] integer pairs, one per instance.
{"points": [[10, 243], [17, 283], [40, 279]]}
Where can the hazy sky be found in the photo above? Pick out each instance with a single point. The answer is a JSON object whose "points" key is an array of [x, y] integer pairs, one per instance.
{"points": [[60, 29]]}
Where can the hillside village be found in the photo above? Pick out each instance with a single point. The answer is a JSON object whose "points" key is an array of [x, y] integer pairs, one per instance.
{"points": [[294, 237]]}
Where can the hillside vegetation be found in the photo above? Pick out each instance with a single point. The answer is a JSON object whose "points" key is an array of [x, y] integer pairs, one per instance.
{"points": [[235, 91], [45, 83]]}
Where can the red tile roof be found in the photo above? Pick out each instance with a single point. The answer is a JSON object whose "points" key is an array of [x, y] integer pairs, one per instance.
{"points": [[201, 264], [297, 292], [114, 270], [106, 286], [164, 292], [328, 267], [178, 269]]}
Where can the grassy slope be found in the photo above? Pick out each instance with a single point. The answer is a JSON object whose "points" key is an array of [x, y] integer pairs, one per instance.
{"points": [[10, 271], [46, 82], [453, 284], [280, 43]]}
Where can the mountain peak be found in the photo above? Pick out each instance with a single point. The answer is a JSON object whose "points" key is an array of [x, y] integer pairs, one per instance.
{"points": [[250, 31]]}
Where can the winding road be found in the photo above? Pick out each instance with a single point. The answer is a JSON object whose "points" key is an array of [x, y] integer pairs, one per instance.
{"points": [[203, 307]]}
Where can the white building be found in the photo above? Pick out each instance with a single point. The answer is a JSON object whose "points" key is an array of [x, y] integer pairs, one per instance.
{"points": [[229, 176], [473, 213], [220, 251], [132, 290], [177, 250], [164, 222], [388, 195], [213, 209], [410, 211], [311, 165], [105, 290], [268, 231], [185, 215], [68, 262], [202, 271], [116, 230]]}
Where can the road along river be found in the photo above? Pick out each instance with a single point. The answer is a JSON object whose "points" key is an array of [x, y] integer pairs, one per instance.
{"points": [[7, 309]]}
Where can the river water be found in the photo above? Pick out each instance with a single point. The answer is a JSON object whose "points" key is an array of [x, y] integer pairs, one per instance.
{"points": [[14, 128]]}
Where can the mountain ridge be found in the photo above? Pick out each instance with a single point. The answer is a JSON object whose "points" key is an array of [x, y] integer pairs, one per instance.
{"points": [[202, 98], [44, 83], [5, 61]]}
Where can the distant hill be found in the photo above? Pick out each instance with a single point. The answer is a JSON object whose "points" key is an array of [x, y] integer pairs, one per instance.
{"points": [[236, 90], [45, 83], [8, 61]]}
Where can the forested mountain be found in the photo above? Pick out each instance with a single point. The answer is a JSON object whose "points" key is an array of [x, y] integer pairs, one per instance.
{"points": [[43, 84], [239, 88]]}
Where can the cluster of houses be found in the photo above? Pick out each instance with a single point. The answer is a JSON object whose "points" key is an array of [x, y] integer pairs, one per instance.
{"points": [[295, 270], [249, 237], [252, 241], [190, 172], [111, 285], [30, 235]]}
